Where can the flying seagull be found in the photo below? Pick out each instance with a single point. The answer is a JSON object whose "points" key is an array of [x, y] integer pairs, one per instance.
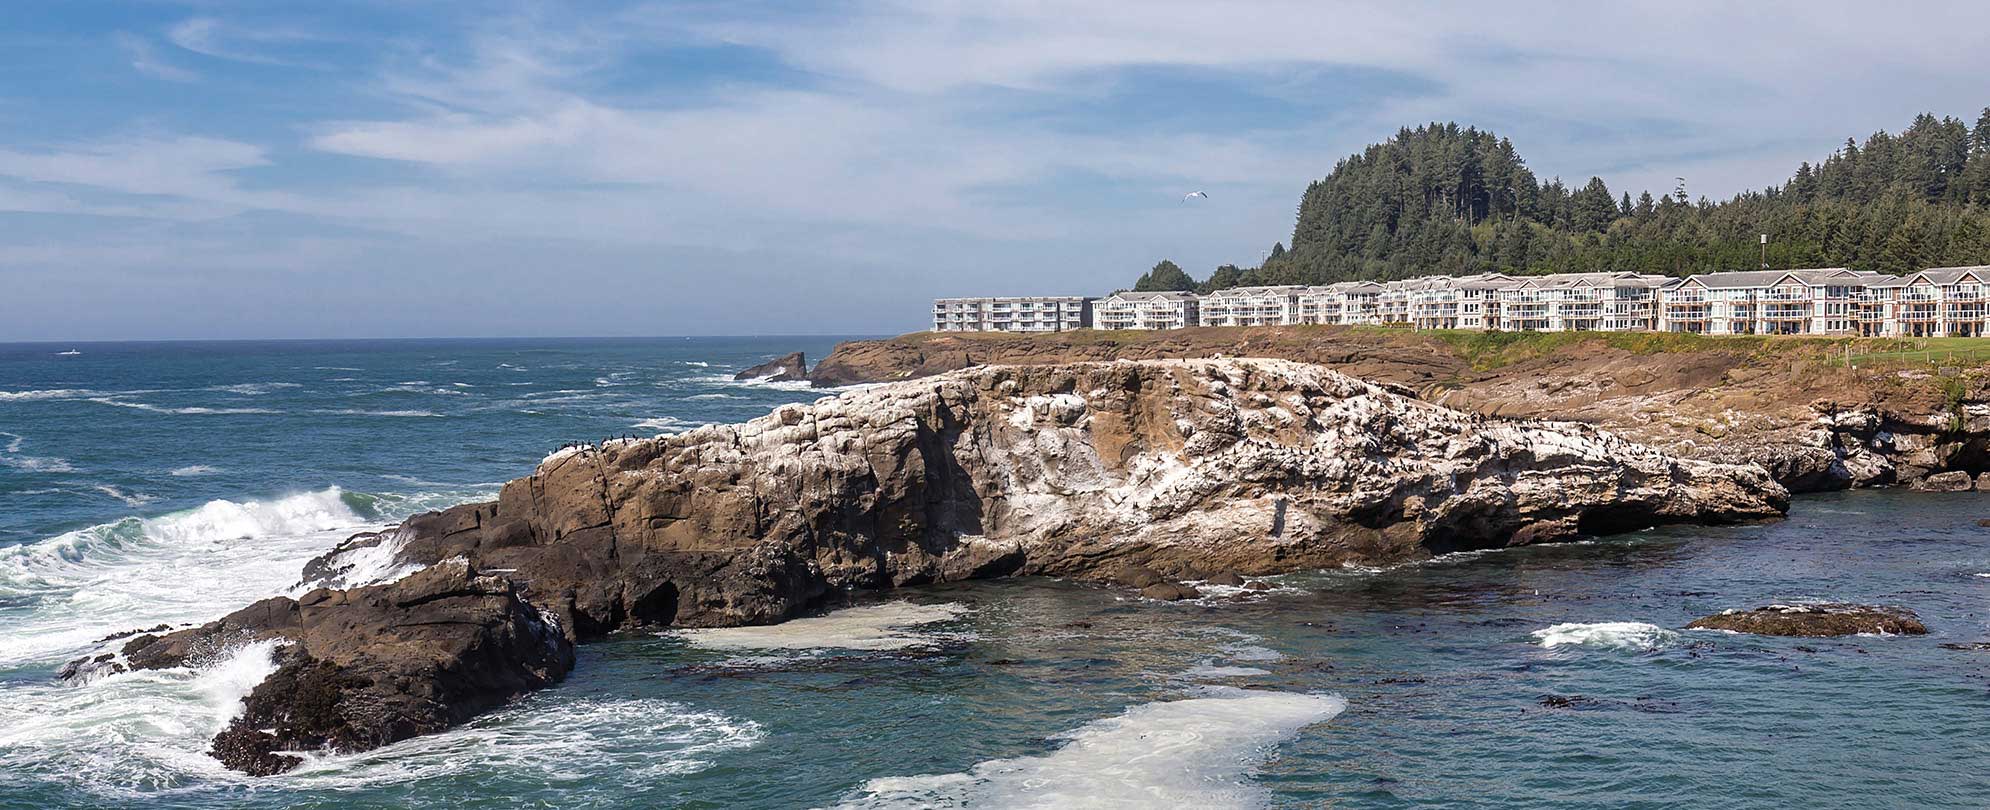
{"points": [[1193, 194]]}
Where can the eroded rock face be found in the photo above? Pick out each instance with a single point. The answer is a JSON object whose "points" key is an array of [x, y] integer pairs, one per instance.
{"points": [[361, 668], [1082, 470], [1814, 621], [1148, 472], [1789, 405], [785, 368]]}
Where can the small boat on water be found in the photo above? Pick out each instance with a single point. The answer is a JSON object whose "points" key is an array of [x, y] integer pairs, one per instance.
{"points": [[70, 353]]}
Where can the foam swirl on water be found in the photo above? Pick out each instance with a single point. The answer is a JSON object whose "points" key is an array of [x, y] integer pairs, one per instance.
{"points": [[1180, 753]]}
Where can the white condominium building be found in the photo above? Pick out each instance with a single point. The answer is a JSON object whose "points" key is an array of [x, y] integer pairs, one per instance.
{"points": [[1939, 302], [1767, 302], [1146, 310], [1250, 306], [1052, 313]]}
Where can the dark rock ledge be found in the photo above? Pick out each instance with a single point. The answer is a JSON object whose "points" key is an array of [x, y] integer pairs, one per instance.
{"points": [[1087, 470]]}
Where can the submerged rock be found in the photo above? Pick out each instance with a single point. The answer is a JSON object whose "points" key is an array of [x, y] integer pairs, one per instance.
{"points": [[1954, 481], [1141, 472], [786, 368], [1815, 621], [1170, 592]]}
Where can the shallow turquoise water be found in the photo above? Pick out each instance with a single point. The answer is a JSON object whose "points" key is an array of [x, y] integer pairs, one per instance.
{"points": [[986, 694]]}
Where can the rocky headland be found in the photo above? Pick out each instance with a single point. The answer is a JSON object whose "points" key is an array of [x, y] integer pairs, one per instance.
{"points": [[790, 367], [1793, 405], [1087, 470]]}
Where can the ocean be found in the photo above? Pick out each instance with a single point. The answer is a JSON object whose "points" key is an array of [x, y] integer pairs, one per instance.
{"points": [[143, 483]]}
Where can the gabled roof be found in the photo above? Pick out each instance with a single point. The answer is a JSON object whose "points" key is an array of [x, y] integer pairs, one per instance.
{"points": [[1159, 295]]}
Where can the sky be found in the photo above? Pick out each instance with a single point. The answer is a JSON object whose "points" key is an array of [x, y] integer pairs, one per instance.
{"points": [[218, 169]]}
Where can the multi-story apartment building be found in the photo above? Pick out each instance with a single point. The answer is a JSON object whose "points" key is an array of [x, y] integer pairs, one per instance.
{"points": [[1826, 301], [1047, 313], [1939, 302], [1250, 306], [1146, 310]]}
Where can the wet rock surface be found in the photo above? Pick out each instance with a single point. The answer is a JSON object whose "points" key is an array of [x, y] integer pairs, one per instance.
{"points": [[1789, 405], [1814, 621], [1140, 473], [361, 668], [788, 367]]}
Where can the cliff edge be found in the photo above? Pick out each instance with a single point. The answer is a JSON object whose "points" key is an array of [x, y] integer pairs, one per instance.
{"points": [[1079, 470]]}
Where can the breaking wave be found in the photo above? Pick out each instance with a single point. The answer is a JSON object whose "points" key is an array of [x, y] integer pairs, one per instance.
{"points": [[1612, 635], [186, 566], [1196, 752], [594, 739]]}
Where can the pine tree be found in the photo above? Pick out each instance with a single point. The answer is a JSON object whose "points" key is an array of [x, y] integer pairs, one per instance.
{"points": [[1165, 276]]}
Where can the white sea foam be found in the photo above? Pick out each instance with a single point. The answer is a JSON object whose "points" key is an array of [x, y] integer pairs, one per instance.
{"points": [[193, 470], [369, 564], [128, 498], [1613, 635], [891, 626], [48, 393], [254, 389], [360, 412], [9, 456], [589, 740], [1196, 752], [193, 410], [667, 425], [134, 734], [185, 566], [714, 396]]}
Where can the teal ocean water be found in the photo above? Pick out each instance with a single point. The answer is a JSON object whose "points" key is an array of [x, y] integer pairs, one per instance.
{"points": [[148, 483]]}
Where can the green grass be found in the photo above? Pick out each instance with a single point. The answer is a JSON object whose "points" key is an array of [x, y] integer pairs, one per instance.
{"points": [[1486, 351]]}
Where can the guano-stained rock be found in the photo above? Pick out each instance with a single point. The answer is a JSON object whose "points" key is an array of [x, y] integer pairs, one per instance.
{"points": [[1146, 471]]}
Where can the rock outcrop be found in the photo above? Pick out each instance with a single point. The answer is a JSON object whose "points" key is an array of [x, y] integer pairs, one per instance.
{"points": [[1147, 472], [364, 667], [787, 367], [1789, 404], [1815, 621]]}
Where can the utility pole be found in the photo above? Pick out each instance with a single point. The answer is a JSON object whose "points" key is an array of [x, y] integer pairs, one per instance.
{"points": [[1765, 251]]}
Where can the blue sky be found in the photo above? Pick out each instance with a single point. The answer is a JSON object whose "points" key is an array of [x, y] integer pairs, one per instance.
{"points": [[217, 169]]}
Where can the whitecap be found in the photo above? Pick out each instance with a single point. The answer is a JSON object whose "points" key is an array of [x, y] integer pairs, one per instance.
{"points": [[666, 425], [185, 566], [193, 470], [891, 626], [133, 734], [360, 412], [1614, 635], [129, 498], [48, 393], [253, 389], [185, 411], [714, 396], [38, 464], [1196, 752]]}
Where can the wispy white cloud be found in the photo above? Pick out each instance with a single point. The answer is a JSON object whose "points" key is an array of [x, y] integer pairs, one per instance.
{"points": [[145, 59], [220, 39], [1012, 138]]}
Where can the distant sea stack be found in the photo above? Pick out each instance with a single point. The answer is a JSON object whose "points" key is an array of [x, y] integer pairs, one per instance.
{"points": [[786, 368], [1082, 470]]}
